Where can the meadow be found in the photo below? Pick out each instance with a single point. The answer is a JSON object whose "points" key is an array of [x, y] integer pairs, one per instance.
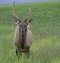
{"points": [[45, 28]]}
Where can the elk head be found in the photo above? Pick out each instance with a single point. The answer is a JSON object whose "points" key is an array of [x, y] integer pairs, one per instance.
{"points": [[22, 24]]}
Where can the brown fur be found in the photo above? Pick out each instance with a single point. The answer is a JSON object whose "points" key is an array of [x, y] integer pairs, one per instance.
{"points": [[28, 40], [20, 45]]}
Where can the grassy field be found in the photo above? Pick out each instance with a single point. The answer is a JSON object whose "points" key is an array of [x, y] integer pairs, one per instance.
{"points": [[46, 33]]}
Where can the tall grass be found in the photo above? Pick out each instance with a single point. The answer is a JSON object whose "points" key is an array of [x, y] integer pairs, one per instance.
{"points": [[46, 33]]}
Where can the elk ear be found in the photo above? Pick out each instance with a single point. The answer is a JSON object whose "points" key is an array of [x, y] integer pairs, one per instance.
{"points": [[17, 21], [30, 20]]}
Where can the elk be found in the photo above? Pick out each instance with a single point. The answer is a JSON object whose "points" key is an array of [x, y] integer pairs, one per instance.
{"points": [[23, 34]]}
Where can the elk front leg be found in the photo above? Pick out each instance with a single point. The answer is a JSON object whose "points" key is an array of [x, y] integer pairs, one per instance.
{"points": [[16, 52], [27, 52]]}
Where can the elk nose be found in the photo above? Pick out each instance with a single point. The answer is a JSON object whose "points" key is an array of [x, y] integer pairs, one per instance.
{"points": [[22, 32]]}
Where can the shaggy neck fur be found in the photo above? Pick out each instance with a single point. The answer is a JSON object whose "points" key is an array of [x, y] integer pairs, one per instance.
{"points": [[22, 39]]}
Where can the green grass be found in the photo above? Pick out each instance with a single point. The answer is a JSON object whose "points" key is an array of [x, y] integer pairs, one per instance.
{"points": [[46, 33]]}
